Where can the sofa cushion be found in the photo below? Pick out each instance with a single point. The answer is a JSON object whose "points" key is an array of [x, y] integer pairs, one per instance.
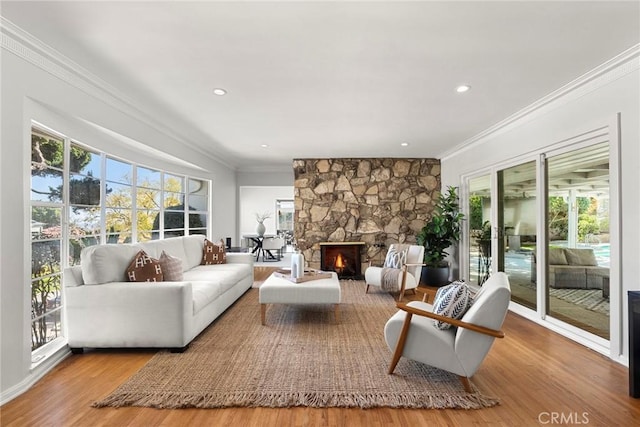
{"points": [[452, 301], [143, 268], [580, 256], [227, 275], [204, 293], [171, 267], [172, 246], [193, 250], [213, 254], [106, 263], [557, 256]]}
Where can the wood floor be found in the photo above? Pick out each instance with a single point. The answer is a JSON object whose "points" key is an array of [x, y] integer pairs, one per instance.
{"points": [[540, 377]]}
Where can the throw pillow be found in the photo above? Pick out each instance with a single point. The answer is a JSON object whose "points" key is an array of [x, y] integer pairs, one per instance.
{"points": [[395, 258], [143, 268], [452, 301], [213, 254], [171, 267], [557, 257], [581, 257]]}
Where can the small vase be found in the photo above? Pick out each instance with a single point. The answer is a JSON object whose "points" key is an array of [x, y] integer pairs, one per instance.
{"points": [[260, 229]]}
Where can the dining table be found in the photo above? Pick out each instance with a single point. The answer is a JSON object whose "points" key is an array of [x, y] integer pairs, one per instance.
{"points": [[257, 240]]}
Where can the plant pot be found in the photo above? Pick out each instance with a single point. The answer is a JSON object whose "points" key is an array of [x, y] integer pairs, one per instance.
{"points": [[434, 276]]}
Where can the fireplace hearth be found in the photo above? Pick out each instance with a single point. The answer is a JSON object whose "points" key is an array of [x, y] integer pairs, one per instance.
{"points": [[342, 257]]}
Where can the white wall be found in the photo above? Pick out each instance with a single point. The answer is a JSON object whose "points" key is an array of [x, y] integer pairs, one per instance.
{"points": [[29, 92], [585, 108], [260, 199]]}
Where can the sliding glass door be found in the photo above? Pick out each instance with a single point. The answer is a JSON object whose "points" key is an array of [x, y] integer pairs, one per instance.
{"points": [[578, 256], [516, 229], [545, 222]]}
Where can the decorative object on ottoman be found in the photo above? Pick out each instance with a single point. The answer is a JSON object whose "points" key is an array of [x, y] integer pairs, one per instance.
{"points": [[297, 265]]}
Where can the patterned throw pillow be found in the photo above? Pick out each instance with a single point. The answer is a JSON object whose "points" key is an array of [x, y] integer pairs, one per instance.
{"points": [[395, 258], [171, 267], [452, 301], [213, 254], [143, 268]]}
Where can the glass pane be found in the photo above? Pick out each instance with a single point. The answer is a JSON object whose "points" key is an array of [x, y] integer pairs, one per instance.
{"points": [[198, 231], [46, 185], [198, 186], [118, 195], [517, 222], [173, 219], [84, 190], [46, 151], [147, 198], [45, 258], [479, 229], [174, 201], [578, 252], [148, 220], [148, 178], [118, 238], [173, 233], [143, 236], [173, 183], [197, 220], [84, 221], [46, 329], [45, 223], [118, 221], [118, 171], [197, 203], [84, 162]]}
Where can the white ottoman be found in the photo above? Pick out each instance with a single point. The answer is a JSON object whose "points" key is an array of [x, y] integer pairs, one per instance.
{"points": [[278, 290]]}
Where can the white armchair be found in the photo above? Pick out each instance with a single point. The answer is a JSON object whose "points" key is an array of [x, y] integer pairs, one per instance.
{"points": [[411, 332], [407, 279]]}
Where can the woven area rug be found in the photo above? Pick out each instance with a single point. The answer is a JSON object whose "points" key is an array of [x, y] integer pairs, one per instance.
{"points": [[300, 358]]}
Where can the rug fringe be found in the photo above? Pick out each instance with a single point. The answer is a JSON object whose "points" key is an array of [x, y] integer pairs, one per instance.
{"points": [[291, 399]]}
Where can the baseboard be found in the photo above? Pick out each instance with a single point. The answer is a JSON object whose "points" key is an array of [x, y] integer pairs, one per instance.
{"points": [[34, 375]]}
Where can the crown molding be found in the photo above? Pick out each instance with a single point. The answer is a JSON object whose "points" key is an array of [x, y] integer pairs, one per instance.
{"points": [[31, 49], [615, 68]]}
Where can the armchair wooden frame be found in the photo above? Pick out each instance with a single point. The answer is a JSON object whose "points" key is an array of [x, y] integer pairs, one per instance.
{"points": [[455, 322]]}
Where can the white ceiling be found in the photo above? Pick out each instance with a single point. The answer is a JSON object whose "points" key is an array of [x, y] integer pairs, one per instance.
{"points": [[331, 79]]}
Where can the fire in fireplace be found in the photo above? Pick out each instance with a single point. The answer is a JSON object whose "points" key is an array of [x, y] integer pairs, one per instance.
{"points": [[343, 258]]}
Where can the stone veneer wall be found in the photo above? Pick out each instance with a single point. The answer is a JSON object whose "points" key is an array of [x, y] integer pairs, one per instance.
{"points": [[376, 201]]}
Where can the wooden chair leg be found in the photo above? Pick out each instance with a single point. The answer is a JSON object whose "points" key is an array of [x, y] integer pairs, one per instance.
{"points": [[366, 291], [404, 282], [466, 384], [402, 339]]}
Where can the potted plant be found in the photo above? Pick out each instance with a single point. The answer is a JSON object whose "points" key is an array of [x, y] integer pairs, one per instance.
{"points": [[438, 234]]}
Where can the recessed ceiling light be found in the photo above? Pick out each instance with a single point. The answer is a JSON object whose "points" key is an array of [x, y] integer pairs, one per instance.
{"points": [[463, 88], [219, 91], [264, 145], [404, 144]]}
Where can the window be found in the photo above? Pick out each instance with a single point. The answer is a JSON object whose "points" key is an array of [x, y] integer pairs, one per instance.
{"points": [[103, 199], [47, 192]]}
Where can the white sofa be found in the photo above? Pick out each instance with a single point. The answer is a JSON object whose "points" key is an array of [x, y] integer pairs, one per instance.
{"points": [[104, 310]]}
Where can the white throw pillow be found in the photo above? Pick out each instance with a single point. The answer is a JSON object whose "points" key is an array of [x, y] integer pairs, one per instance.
{"points": [[452, 301], [395, 258]]}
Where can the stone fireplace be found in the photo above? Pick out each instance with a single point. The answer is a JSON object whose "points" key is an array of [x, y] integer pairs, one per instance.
{"points": [[345, 258], [373, 202]]}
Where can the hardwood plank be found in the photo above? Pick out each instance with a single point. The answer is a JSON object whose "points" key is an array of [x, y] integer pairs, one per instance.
{"points": [[532, 370]]}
